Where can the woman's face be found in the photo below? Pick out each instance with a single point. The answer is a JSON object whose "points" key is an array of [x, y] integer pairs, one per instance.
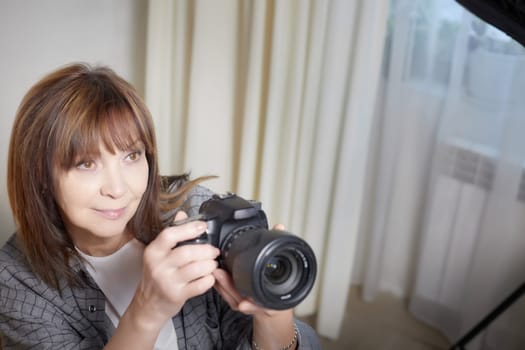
{"points": [[99, 195]]}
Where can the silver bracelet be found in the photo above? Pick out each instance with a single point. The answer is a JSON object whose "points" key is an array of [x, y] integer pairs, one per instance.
{"points": [[287, 347]]}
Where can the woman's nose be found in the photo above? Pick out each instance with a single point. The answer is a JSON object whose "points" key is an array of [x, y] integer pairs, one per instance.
{"points": [[113, 183]]}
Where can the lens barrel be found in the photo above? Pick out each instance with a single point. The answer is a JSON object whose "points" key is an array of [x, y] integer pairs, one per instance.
{"points": [[275, 268]]}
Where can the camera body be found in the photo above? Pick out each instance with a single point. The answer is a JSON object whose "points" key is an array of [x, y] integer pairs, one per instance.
{"points": [[275, 268]]}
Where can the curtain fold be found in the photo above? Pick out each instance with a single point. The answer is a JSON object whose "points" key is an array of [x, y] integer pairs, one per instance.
{"points": [[275, 97], [347, 204], [167, 77]]}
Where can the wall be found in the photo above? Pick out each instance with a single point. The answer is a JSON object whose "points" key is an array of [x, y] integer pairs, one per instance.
{"points": [[39, 36]]}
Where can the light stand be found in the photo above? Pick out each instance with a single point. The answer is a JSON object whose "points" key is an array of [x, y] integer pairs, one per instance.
{"points": [[491, 316]]}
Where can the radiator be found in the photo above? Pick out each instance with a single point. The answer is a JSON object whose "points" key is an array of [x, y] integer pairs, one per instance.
{"points": [[456, 206]]}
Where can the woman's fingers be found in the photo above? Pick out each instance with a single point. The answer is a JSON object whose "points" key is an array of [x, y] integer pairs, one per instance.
{"points": [[195, 270], [168, 238], [279, 227], [198, 286], [248, 307], [234, 299], [225, 287], [180, 215], [185, 254]]}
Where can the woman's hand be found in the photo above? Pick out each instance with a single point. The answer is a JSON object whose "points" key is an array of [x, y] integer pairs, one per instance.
{"points": [[172, 275], [271, 328]]}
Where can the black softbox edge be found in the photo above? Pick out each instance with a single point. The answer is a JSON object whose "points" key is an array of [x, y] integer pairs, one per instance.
{"points": [[507, 16]]}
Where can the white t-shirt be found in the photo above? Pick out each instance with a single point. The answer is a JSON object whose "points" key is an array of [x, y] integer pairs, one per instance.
{"points": [[118, 276]]}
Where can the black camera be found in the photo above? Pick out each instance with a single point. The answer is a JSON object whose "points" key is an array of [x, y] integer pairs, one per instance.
{"points": [[275, 268]]}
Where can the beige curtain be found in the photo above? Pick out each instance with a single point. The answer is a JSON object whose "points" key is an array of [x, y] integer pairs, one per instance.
{"points": [[277, 98]]}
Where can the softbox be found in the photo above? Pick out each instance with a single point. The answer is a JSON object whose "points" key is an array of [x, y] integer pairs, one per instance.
{"points": [[506, 15]]}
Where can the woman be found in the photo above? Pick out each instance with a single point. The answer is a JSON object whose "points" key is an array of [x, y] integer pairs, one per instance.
{"points": [[94, 263]]}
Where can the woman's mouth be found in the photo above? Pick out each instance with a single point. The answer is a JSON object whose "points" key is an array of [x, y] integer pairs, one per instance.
{"points": [[112, 214]]}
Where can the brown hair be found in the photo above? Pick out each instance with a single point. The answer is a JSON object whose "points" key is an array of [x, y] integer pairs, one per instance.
{"points": [[64, 115]]}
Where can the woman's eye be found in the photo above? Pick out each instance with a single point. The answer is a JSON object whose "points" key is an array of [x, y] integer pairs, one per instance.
{"points": [[88, 164], [133, 156]]}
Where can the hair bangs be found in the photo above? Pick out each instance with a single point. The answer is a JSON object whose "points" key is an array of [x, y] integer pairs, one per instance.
{"points": [[120, 130], [115, 129]]}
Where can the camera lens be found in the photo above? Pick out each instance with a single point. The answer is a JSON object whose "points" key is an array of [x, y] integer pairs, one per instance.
{"points": [[282, 273], [278, 269], [275, 268]]}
